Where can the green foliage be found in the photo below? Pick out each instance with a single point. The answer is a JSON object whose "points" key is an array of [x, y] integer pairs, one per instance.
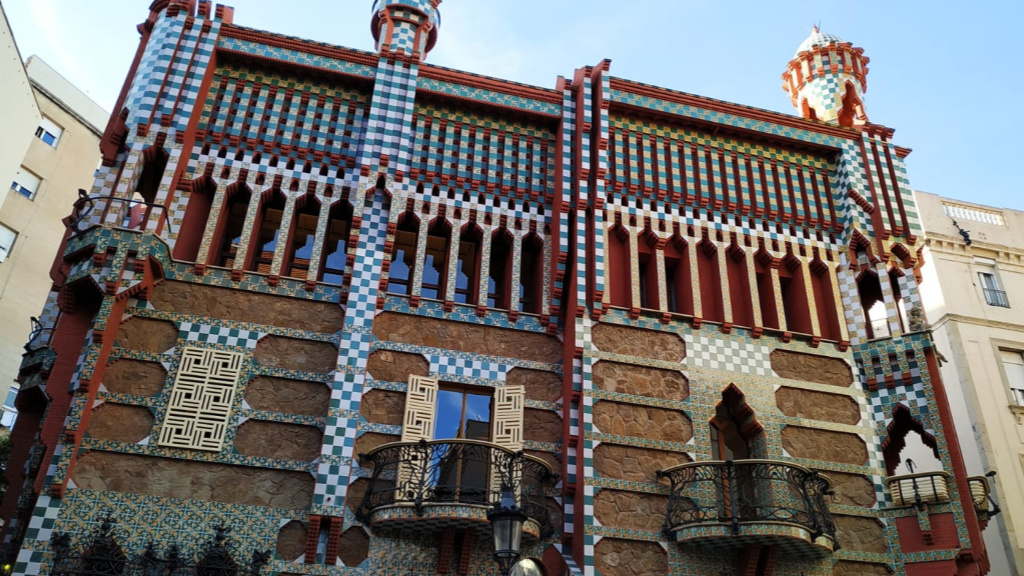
{"points": [[5, 455]]}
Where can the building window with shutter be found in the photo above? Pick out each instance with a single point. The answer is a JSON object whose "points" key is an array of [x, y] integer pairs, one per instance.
{"points": [[7, 237], [989, 281], [201, 399], [26, 183], [49, 132], [1013, 366]]}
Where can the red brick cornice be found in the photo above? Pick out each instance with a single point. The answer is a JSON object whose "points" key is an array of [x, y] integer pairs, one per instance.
{"points": [[494, 84], [307, 46]]}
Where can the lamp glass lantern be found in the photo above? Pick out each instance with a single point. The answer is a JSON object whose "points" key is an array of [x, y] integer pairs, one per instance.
{"points": [[507, 526]]}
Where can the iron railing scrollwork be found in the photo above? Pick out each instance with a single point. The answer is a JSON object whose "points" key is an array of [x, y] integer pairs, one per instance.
{"points": [[748, 491], [454, 472], [39, 337], [103, 556], [133, 215]]}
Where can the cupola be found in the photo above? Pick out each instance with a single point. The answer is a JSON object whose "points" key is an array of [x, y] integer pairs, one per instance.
{"points": [[826, 80], [406, 26]]}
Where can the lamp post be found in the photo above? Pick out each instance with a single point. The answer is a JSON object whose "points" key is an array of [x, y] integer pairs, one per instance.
{"points": [[507, 525]]}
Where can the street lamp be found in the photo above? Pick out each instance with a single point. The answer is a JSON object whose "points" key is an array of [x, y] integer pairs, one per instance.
{"points": [[507, 525]]}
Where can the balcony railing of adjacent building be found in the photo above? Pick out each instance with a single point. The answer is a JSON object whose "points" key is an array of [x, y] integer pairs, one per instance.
{"points": [[995, 297], [734, 503], [1018, 396], [448, 481], [981, 497]]}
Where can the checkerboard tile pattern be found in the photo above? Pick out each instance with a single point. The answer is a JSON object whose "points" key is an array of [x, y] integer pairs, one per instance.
{"points": [[210, 334], [719, 353], [467, 367]]}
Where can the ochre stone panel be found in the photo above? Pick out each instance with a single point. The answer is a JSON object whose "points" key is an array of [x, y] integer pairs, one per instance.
{"points": [[289, 396], [279, 440], [811, 368], [857, 534], [814, 405], [396, 366], [630, 510], [135, 377], [147, 335], [472, 338], [539, 385], [121, 423], [243, 306], [852, 489], [383, 407], [291, 540], [636, 464], [848, 568], [642, 421], [641, 380], [295, 354], [354, 546], [542, 425], [167, 478], [370, 440], [824, 445], [639, 342], [617, 557]]}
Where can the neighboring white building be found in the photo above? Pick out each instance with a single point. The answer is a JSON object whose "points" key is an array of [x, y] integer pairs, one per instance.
{"points": [[49, 148], [973, 294], [19, 113]]}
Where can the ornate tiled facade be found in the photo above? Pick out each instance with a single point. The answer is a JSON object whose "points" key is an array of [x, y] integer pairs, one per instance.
{"points": [[626, 270]]}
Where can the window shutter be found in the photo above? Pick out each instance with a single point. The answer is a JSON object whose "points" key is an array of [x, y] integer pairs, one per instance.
{"points": [[507, 425], [201, 399], [420, 409]]}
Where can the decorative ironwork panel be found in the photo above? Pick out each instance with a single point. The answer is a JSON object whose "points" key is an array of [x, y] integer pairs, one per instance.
{"points": [[200, 404]]}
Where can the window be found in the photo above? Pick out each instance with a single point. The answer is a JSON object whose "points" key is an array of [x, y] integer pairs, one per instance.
{"points": [[25, 183], [7, 237], [467, 272], [12, 393], [233, 218], [49, 132], [403, 257], [1013, 364], [339, 225], [271, 213], [994, 295], [435, 265]]}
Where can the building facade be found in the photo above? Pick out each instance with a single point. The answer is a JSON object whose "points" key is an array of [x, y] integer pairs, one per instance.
{"points": [[60, 158], [19, 112], [325, 310], [973, 279]]}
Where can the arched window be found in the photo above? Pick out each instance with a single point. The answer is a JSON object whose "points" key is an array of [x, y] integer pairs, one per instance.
{"points": [[268, 225], [499, 272], [710, 281], [872, 302], [766, 289], [435, 262], [193, 224], [894, 282], [620, 289], [647, 270], [403, 255], [794, 295], [907, 437], [531, 274], [739, 286], [303, 236], [678, 284], [153, 167], [334, 255], [467, 273], [232, 225], [824, 298]]}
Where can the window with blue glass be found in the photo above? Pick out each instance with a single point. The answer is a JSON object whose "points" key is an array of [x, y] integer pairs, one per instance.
{"points": [[25, 183], [463, 471], [49, 132]]}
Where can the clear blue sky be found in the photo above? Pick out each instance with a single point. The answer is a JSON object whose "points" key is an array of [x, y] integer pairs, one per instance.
{"points": [[946, 75]]}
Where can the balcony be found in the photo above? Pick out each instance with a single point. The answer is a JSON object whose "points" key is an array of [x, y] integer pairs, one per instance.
{"points": [[981, 498], [735, 503], [995, 297], [452, 483], [920, 488]]}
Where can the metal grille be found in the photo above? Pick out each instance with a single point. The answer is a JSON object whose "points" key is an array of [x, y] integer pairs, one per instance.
{"points": [[204, 388], [995, 297]]}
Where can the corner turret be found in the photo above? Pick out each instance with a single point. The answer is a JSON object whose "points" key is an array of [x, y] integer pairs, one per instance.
{"points": [[826, 80], [405, 26]]}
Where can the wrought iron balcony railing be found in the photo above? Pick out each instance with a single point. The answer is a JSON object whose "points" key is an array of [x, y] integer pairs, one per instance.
{"points": [[138, 215], [426, 476], [995, 297], [737, 495], [919, 488]]}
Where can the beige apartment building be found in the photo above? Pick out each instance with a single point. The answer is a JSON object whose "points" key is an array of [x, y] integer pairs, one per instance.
{"points": [[57, 132], [973, 295], [19, 112]]}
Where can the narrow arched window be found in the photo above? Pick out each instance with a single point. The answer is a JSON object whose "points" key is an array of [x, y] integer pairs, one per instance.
{"points": [[303, 237], [333, 257], [268, 225], [739, 286], [232, 225], [193, 224], [794, 295], [531, 274], [620, 289], [467, 273], [766, 289], [435, 261], [678, 283], [499, 276], [824, 299], [153, 167], [712, 308], [403, 254], [647, 270]]}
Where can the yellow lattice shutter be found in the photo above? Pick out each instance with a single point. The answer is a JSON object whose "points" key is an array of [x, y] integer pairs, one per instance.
{"points": [[420, 409], [201, 399], [507, 426]]}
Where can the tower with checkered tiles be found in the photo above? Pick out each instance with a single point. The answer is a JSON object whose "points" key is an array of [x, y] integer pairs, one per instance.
{"points": [[340, 303]]}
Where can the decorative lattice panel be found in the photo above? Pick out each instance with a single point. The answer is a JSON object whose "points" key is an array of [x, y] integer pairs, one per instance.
{"points": [[204, 388], [420, 408], [507, 425]]}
